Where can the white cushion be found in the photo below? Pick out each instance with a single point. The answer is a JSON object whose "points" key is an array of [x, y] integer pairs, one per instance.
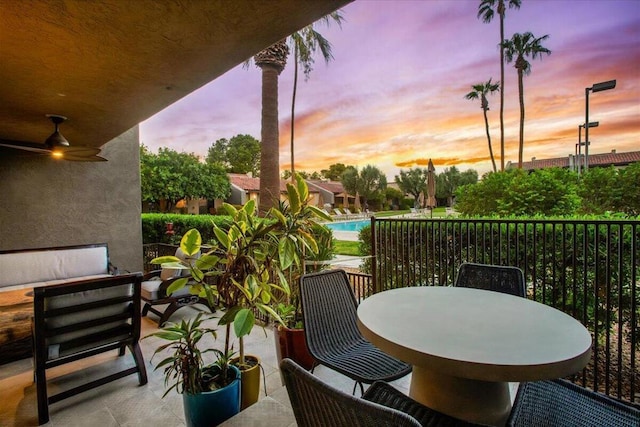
{"points": [[19, 268]]}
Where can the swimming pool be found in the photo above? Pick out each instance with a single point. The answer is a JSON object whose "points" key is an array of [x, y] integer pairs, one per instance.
{"points": [[348, 225]]}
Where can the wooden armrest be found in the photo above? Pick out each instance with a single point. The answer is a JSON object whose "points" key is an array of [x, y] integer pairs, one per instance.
{"points": [[151, 274]]}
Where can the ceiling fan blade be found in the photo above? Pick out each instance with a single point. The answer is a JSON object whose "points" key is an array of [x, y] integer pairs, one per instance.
{"points": [[77, 151], [73, 158], [26, 146]]}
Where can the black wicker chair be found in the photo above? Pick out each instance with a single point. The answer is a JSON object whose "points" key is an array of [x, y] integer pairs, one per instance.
{"points": [[560, 403], [499, 278], [316, 403], [332, 335], [386, 395]]}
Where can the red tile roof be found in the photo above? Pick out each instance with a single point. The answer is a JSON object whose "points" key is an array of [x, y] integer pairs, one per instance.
{"points": [[250, 184], [595, 160], [333, 186]]}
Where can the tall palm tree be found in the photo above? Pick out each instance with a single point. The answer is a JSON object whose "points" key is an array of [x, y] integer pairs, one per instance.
{"points": [[305, 43], [486, 11], [522, 46], [480, 91], [271, 61]]}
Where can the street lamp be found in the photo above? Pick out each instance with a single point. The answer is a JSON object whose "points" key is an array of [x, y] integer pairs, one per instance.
{"points": [[598, 87], [580, 143]]}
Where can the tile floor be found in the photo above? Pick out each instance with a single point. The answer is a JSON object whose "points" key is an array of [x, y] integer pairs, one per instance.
{"points": [[125, 403]]}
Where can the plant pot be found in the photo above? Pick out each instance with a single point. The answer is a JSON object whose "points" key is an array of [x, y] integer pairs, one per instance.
{"points": [[213, 407], [290, 343], [250, 378]]}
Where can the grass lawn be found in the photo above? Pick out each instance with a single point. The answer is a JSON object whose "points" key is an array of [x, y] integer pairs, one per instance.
{"points": [[344, 247]]}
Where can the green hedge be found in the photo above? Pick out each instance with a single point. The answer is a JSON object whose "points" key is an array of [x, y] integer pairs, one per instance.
{"points": [[154, 226]]}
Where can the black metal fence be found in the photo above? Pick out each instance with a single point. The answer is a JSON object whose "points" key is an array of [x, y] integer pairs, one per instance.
{"points": [[588, 269]]}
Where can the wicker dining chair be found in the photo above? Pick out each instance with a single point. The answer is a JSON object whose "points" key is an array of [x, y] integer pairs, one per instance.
{"points": [[331, 332], [316, 403], [387, 395], [499, 278], [560, 403]]}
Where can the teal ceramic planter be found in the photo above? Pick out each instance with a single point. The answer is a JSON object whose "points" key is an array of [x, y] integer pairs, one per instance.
{"points": [[213, 407]]}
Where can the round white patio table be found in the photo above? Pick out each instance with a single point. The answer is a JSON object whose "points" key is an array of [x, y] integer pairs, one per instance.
{"points": [[466, 345]]}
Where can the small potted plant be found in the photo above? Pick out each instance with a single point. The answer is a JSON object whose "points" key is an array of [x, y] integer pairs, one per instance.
{"points": [[210, 394]]}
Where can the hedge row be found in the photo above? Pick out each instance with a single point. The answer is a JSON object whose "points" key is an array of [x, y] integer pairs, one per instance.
{"points": [[154, 226]]}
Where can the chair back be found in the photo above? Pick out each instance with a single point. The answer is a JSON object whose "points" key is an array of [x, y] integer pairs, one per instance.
{"points": [[560, 403], [316, 403], [329, 310], [86, 316], [499, 278]]}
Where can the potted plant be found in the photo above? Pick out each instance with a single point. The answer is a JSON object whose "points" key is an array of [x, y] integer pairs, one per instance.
{"points": [[209, 396], [245, 269], [298, 218]]}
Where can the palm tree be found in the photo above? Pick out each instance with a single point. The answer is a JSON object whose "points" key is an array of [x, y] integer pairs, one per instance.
{"points": [[522, 46], [271, 61], [480, 91], [486, 12], [305, 43]]}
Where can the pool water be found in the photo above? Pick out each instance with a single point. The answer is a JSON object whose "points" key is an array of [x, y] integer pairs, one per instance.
{"points": [[348, 225]]}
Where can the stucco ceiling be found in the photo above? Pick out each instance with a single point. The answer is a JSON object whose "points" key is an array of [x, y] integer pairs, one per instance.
{"points": [[109, 64]]}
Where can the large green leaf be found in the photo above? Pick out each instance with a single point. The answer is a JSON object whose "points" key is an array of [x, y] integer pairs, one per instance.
{"points": [[165, 259], [294, 198], [178, 284], [229, 315], [191, 242], [303, 189], [222, 237], [286, 252], [243, 322], [207, 262]]}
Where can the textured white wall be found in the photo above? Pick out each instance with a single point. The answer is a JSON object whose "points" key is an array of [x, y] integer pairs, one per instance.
{"points": [[44, 202]]}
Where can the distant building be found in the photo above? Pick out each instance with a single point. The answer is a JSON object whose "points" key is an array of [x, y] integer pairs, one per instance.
{"points": [[613, 158], [331, 192], [245, 188]]}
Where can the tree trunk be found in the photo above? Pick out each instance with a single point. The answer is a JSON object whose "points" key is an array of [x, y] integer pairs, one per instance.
{"points": [[502, 90], [293, 111], [486, 126], [521, 96], [270, 153]]}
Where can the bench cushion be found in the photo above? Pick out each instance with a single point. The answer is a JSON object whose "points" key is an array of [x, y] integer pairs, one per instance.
{"points": [[30, 267]]}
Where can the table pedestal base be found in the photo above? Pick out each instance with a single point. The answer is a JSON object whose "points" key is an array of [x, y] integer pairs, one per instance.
{"points": [[471, 400]]}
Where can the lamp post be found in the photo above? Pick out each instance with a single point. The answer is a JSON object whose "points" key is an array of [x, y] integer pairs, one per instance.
{"points": [[580, 143], [598, 87]]}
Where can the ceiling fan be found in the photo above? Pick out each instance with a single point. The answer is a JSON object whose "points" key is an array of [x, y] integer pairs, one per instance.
{"points": [[57, 146]]}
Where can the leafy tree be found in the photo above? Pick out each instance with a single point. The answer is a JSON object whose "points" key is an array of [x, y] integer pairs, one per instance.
{"points": [[551, 192], [217, 153], [486, 11], [521, 46], [368, 183], [240, 154], [335, 171], [611, 189], [173, 176], [413, 181], [305, 43], [481, 199], [480, 91], [450, 179]]}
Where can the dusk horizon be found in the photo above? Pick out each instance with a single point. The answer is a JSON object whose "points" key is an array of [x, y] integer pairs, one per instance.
{"points": [[393, 96]]}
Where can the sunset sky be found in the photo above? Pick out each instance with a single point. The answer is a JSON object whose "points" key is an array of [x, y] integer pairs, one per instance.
{"points": [[393, 96]]}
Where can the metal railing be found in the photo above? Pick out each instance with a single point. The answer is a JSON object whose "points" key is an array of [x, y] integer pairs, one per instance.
{"points": [[588, 269]]}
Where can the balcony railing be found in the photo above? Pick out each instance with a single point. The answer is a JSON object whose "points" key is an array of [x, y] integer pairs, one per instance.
{"points": [[588, 269]]}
